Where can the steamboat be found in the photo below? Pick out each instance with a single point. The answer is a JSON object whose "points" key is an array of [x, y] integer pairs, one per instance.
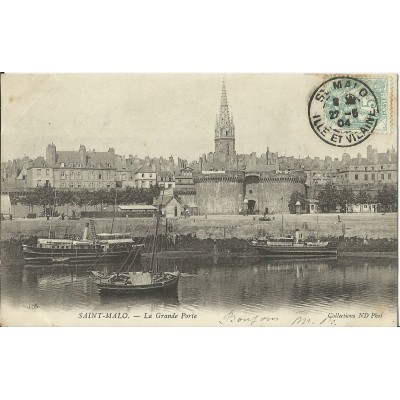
{"points": [[104, 246], [293, 246]]}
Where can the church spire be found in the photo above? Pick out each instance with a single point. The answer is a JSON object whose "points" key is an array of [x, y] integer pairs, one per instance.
{"points": [[224, 109], [224, 131], [224, 99]]}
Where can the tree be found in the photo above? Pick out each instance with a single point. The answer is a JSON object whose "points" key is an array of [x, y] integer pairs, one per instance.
{"points": [[295, 197], [363, 197], [345, 196], [44, 196], [328, 197], [387, 197]]}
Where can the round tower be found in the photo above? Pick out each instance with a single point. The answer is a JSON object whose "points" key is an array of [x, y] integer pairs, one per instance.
{"points": [[219, 193]]}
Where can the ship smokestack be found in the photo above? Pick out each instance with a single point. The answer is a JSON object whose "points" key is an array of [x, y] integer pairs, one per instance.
{"points": [[85, 231]]}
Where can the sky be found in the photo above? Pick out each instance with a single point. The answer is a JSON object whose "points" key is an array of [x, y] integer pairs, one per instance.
{"points": [[162, 114]]}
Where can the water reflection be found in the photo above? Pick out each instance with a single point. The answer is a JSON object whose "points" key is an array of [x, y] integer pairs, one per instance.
{"points": [[216, 283], [152, 300]]}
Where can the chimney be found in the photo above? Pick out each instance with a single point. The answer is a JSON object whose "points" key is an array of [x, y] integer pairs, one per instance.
{"points": [[51, 154], [82, 155], [370, 153]]}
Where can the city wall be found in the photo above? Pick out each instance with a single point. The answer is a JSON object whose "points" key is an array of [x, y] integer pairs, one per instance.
{"points": [[365, 226]]}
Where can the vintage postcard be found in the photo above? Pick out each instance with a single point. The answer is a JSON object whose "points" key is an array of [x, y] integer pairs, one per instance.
{"points": [[256, 200]]}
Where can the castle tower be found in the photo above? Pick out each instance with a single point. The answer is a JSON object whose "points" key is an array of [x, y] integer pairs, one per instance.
{"points": [[224, 131]]}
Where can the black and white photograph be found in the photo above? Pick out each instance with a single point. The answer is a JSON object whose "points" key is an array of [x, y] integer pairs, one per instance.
{"points": [[255, 200]]}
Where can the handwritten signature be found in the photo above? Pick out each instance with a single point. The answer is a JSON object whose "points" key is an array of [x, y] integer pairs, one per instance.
{"points": [[232, 318], [305, 321]]}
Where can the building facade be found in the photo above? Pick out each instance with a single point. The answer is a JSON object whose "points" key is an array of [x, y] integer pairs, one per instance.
{"points": [[221, 182]]}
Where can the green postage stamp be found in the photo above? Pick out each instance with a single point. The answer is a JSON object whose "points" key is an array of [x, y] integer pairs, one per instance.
{"points": [[256, 200]]}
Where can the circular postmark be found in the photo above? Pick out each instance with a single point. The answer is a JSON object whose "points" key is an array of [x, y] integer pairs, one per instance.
{"points": [[343, 111]]}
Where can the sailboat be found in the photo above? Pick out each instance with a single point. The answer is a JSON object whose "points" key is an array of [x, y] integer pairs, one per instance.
{"points": [[139, 282]]}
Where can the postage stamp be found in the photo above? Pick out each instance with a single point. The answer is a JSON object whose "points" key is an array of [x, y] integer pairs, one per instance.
{"points": [[199, 200], [345, 111]]}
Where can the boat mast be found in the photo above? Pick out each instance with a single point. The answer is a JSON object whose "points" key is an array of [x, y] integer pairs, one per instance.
{"points": [[153, 265], [52, 212], [115, 204]]}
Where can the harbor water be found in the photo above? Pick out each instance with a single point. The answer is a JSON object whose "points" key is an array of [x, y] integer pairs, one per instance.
{"points": [[212, 291]]}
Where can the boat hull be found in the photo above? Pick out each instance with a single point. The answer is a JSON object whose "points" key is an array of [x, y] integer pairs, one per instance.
{"points": [[35, 255], [285, 251], [169, 285]]}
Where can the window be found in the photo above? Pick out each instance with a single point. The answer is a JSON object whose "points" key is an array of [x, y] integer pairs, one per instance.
{"points": [[62, 165], [124, 177], [151, 175], [366, 168], [373, 177], [62, 175], [142, 175], [381, 166], [250, 191], [71, 165], [38, 183], [39, 172], [389, 175], [366, 177], [71, 185], [47, 172], [356, 177], [382, 176]]}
